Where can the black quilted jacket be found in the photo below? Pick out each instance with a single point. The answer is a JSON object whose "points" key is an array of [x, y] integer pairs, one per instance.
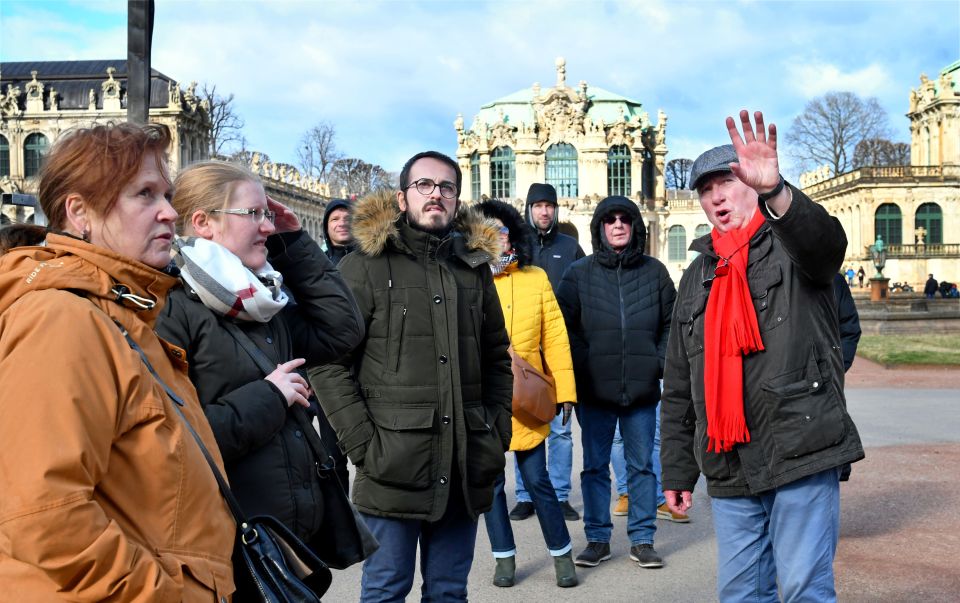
{"points": [[617, 308]]}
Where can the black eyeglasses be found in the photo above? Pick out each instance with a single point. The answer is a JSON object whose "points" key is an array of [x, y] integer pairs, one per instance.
{"points": [[257, 215], [624, 219], [426, 186]]}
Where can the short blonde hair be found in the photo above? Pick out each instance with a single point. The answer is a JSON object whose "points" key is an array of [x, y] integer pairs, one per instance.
{"points": [[206, 186]]}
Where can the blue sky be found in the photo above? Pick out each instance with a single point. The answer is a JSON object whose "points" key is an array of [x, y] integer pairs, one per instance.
{"points": [[392, 75]]}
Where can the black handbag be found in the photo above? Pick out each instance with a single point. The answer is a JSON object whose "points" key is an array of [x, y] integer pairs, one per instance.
{"points": [[343, 538], [279, 566]]}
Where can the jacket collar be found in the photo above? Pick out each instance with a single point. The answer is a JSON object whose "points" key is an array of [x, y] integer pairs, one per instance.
{"points": [[760, 244]]}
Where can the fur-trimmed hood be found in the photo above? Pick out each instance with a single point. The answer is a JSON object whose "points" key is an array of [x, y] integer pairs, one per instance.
{"points": [[377, 219], [521, 236]]}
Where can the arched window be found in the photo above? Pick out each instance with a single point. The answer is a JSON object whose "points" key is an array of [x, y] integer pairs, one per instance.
{"points": [[677, 244], [930, 217], [562, 169], [887, 224], [701, 230], [618, 170], [475, 176], [502, 173], [34, 148], [4, 157]]}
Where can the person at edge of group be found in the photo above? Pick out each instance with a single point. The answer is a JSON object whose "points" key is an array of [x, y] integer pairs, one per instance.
{"points": [[537, 332], [619, 465], [553, 251], [849, 324], [931, 287], [339, 242], [97, 463], [336, 230], [861, 273], [245, 261], [423, 406], [766, 425], [850, 274], [617, 305]]}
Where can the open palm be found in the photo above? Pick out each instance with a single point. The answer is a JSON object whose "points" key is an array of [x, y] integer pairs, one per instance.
{"points": [[756, 151]]}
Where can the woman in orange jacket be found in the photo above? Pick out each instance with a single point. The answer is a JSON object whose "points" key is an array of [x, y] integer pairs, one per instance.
{"points": [[539, 336]]}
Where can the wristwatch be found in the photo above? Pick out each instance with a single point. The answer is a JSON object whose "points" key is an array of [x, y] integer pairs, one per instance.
{"points": [[764, 197]]}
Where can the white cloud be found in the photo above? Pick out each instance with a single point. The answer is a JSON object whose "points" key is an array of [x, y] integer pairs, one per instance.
{"points": [[816, 78]]}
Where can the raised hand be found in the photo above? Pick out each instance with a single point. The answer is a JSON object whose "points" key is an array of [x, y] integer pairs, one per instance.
{"points": [[758, 167], [291, 383], [286, 220]]}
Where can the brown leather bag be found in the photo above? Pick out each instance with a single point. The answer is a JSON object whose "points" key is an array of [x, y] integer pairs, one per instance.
{"points": [[534, 393]]}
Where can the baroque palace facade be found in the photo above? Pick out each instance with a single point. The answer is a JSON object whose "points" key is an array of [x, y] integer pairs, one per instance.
{"points": [[42, 100]]}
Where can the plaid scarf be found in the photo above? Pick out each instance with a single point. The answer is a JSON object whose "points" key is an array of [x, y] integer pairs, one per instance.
{"points": [[500, 264], [225, 285], [730, 332]]}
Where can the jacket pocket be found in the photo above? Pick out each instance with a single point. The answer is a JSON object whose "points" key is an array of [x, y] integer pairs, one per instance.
{"points": [[688, 315], [485, 454], [713, 465], [765, 289], [808, 414], [398, 315], [401, 451]]}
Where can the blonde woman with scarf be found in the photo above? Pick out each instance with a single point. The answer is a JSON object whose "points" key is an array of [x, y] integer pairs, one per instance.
{"points": [[244, 260], [753, 385], [538, 335]]}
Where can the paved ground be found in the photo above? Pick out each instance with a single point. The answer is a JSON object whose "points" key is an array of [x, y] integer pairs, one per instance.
{"points": [[900, 537]]}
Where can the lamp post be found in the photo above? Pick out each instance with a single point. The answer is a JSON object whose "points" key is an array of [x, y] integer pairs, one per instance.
{"points": [[878, 282]]}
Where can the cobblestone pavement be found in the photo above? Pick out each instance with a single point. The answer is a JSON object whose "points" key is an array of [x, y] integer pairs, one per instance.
{"points": [[900, 515]]}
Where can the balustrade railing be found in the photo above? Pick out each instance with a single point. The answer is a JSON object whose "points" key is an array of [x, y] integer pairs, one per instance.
{"points": [[932, 250]]}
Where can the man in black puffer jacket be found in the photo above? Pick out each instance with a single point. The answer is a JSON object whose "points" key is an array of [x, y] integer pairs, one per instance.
{"points": [[617, 305]]}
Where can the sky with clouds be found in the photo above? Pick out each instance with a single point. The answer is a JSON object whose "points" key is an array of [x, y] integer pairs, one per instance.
{"points": [[392, 75]]}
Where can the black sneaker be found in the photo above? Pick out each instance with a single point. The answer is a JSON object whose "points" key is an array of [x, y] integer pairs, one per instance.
{"points": [[569, 513], [646, 556], [522, 511], [593, 554]]}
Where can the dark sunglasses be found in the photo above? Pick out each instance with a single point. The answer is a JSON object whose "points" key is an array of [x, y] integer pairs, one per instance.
{"points": [[625, 220]]}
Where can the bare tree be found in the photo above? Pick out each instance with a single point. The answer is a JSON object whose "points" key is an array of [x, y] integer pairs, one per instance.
{"points": [[831, 126], [318, 152], [357, 177], [880, 152], [678, 173], [226, 126]]}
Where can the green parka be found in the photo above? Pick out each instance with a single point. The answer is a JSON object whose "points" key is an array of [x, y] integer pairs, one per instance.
{"points": [[424, 403]]}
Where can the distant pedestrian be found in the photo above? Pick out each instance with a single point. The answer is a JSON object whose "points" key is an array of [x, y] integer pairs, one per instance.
{"points": [[930, 288], [850, 274], [860, 275], [336, 230]]}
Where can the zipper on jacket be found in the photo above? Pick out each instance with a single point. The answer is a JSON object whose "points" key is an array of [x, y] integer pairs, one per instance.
{"points": [[623, 337]]}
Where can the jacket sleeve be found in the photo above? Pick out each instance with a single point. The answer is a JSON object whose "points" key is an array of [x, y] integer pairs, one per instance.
{"points": [[556, 345], [334, 383], [849, 321], [244, 419], [668, 295], [496, 372], [813, 239], [58, 432], [568, 298], [325, 322], [677, 418]]}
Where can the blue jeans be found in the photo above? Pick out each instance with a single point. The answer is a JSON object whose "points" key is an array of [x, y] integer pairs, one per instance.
{"points": [[446, 554], [638, 426], [619, 464], [533, 465], [787, 534], [559, 460]]}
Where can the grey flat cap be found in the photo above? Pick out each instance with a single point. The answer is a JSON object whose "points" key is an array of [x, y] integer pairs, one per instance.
{"points": [[717, 159]]}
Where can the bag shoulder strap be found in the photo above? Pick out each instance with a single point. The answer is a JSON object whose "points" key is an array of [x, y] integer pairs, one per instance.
{"points": [[177, 404], [299, 414]]}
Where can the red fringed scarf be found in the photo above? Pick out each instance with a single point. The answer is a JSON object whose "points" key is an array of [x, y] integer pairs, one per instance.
{"points": [[730, 333]]}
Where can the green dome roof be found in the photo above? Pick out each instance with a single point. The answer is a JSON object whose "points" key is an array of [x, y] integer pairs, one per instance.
{"points": [[604, 107]]}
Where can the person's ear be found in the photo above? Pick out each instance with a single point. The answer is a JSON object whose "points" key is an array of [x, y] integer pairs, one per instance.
{"points": [[202, 224], [78, 216], [402, 201]]}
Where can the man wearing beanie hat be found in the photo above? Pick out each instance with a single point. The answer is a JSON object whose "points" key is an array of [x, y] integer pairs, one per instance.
{"points": [[554, 252], [753, 385], [617, 305]]}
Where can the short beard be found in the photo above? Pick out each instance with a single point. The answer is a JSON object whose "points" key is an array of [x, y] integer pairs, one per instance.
{"points": [[439, 232]]}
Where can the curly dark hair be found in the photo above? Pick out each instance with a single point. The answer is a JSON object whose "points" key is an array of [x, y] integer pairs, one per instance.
{"points": [[520, 233]]}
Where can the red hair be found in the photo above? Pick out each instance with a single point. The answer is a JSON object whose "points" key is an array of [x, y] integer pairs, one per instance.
{"points": [[97, 163]]}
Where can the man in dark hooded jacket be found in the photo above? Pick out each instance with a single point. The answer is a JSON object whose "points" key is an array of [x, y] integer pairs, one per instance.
{"points": [[336, 230], [617, 305], [554, 252]]}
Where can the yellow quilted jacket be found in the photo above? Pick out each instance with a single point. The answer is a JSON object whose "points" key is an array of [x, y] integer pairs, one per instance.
{"points": [[534, 322]]}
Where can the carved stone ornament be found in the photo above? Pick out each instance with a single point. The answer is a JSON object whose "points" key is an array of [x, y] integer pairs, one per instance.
{"points": [[559, 118], [9, 102], [34, 88], [173, 91], [111, 87], [502, 134]]}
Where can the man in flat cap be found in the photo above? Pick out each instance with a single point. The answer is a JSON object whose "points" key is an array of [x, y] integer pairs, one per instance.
{"points": [[753, 384]]}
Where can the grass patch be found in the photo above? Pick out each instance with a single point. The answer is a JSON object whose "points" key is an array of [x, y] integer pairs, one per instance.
{"points": [[910, 349]]}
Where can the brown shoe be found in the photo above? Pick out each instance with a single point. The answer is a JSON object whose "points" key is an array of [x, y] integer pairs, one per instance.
{"points": [[664, 512], [622, 506]]}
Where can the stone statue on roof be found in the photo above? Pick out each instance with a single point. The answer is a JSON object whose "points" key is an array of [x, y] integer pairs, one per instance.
{"points": [[561, 72]]}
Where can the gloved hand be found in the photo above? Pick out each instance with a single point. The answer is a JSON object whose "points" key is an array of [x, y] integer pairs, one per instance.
{"points": [[567, 409]]}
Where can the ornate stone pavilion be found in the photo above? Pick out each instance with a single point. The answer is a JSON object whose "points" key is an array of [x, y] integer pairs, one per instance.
{"points": [[914, 209], [39, 101], [587, 142]]}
